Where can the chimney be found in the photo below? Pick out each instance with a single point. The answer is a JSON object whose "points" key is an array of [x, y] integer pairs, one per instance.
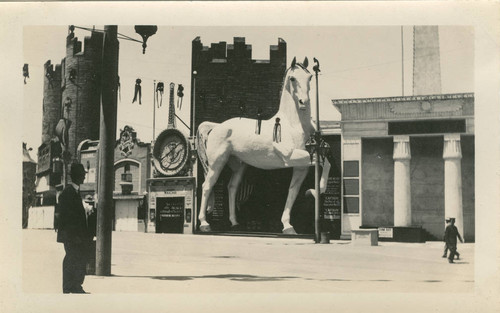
{"points": [[426, 63]]}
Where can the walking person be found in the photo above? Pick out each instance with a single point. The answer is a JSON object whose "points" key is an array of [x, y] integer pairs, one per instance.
{"points": [[450, 237], [445, 253], [73, 232]]}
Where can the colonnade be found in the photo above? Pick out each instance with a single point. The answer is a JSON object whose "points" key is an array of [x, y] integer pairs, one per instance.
{"points": [[452, 155]]}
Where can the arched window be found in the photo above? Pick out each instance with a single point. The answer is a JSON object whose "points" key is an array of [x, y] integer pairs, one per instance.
{"points": [[128, 171]]}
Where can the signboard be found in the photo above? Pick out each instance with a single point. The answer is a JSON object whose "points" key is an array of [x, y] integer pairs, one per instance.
{"points": [[218, 218], [170, 215], [173, 207], [43, 158], [331, 199], [385, 232]]}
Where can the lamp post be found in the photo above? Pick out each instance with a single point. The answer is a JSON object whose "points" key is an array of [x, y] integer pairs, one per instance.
{"points": [[154, 109], [193, 107], [318, 148], [107, 137]]}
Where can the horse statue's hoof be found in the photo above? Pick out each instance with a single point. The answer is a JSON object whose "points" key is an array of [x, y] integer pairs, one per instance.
{"points": [[289, 231], [311, 192], [237, 227], [205, 228]]}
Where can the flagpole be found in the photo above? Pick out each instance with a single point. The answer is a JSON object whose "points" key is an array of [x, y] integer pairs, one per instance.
{"points": [[154, 109]]}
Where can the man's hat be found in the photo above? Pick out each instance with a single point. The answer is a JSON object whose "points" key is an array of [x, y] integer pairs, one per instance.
{"points": [[77, 168]]}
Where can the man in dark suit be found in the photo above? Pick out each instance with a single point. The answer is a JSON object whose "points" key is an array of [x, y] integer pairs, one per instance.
{"points": [[450, 237], [73, 232]]}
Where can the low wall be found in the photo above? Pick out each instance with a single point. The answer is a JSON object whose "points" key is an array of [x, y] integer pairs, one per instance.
{"points": [[41, 217]]}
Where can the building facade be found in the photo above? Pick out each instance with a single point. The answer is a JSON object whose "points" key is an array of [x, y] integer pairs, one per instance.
{"points": [[407, 163], [71, 104], [132, 167]]}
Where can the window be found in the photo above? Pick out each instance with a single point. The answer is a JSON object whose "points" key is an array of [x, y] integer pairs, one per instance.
{"points": [[351, 169], [351, 187]]}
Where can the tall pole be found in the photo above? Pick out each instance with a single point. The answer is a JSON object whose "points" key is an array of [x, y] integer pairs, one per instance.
{"points": [[193, 95], [317, 174], [107, 137], [154, 109], [402, 64]]}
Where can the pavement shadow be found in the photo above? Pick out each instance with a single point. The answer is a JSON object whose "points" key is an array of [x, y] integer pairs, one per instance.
{"points": [[233, 277]]}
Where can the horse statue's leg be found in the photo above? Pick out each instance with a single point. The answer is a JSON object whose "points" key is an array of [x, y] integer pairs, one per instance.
{"points": [[323, 181], [299, 174], [206, 193], [210, 202], [218, 153], [238, 169], [207, 197]]}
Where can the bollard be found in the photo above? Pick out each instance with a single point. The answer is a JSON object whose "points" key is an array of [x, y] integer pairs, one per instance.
{"points": [[325, 237]]}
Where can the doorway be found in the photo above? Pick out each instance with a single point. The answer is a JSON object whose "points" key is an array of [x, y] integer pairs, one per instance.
{"points": [[170, 215]]}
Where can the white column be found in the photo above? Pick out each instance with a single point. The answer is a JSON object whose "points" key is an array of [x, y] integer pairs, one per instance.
{"points": [[402, 191], [452, 155]]}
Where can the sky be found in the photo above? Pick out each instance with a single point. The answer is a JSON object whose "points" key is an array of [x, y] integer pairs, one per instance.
{"points": [[355, 62]]}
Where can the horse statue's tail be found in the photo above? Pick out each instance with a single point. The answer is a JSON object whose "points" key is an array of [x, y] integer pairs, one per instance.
{"points": [[201, 143]]}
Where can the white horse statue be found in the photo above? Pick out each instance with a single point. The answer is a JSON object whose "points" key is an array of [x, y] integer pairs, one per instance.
{"points": [[236, 143]]}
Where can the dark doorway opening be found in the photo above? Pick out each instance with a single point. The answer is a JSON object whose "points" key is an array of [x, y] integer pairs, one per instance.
{"points": [[170, 215]]}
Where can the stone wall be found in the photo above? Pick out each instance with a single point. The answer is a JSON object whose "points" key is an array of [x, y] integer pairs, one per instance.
{"points": [[51, 100], [230, 84], [80, 84], [377, 170], [468, 183], [427, 184]]}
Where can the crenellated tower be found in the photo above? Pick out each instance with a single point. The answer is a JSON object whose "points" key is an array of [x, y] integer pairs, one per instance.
{"points": [[80, 87], [71, 109], [229, 83], [52, 94]]}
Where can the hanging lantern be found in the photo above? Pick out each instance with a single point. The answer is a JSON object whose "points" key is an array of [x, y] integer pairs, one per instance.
{"points": [[277, 131], [145, 31], [26, 72], [324, 149], [160, 88], [57, 166], [311, 146], [180, 95]]}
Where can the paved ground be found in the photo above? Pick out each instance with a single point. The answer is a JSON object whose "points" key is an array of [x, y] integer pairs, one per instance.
{"points": [[171, 263]]}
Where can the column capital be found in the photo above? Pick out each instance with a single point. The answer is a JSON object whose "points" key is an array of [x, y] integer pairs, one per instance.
{"points": [[452, 148], [401, 148]]}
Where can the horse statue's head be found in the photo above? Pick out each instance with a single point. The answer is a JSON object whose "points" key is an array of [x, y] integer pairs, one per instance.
{"points": [[297, 83]]}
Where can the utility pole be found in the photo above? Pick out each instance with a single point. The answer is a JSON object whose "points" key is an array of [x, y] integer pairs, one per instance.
{"points": [[317, 173], [107, 137]]}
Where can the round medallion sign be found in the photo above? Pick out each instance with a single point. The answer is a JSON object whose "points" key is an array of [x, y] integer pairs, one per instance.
{"points": [[170, 152]]}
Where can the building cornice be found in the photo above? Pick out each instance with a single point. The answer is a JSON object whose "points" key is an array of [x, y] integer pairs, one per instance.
{"points": [[456, 105], [337, 102]]}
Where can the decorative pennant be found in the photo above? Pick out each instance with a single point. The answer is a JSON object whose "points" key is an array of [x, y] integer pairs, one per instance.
{"points": [[26, 72], [180, 95], [160, 88], [277, 131], [138, 90], [259, 121]]}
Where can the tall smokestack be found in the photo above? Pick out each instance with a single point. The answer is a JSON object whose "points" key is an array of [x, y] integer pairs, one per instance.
{"points": [[426, 63]]}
